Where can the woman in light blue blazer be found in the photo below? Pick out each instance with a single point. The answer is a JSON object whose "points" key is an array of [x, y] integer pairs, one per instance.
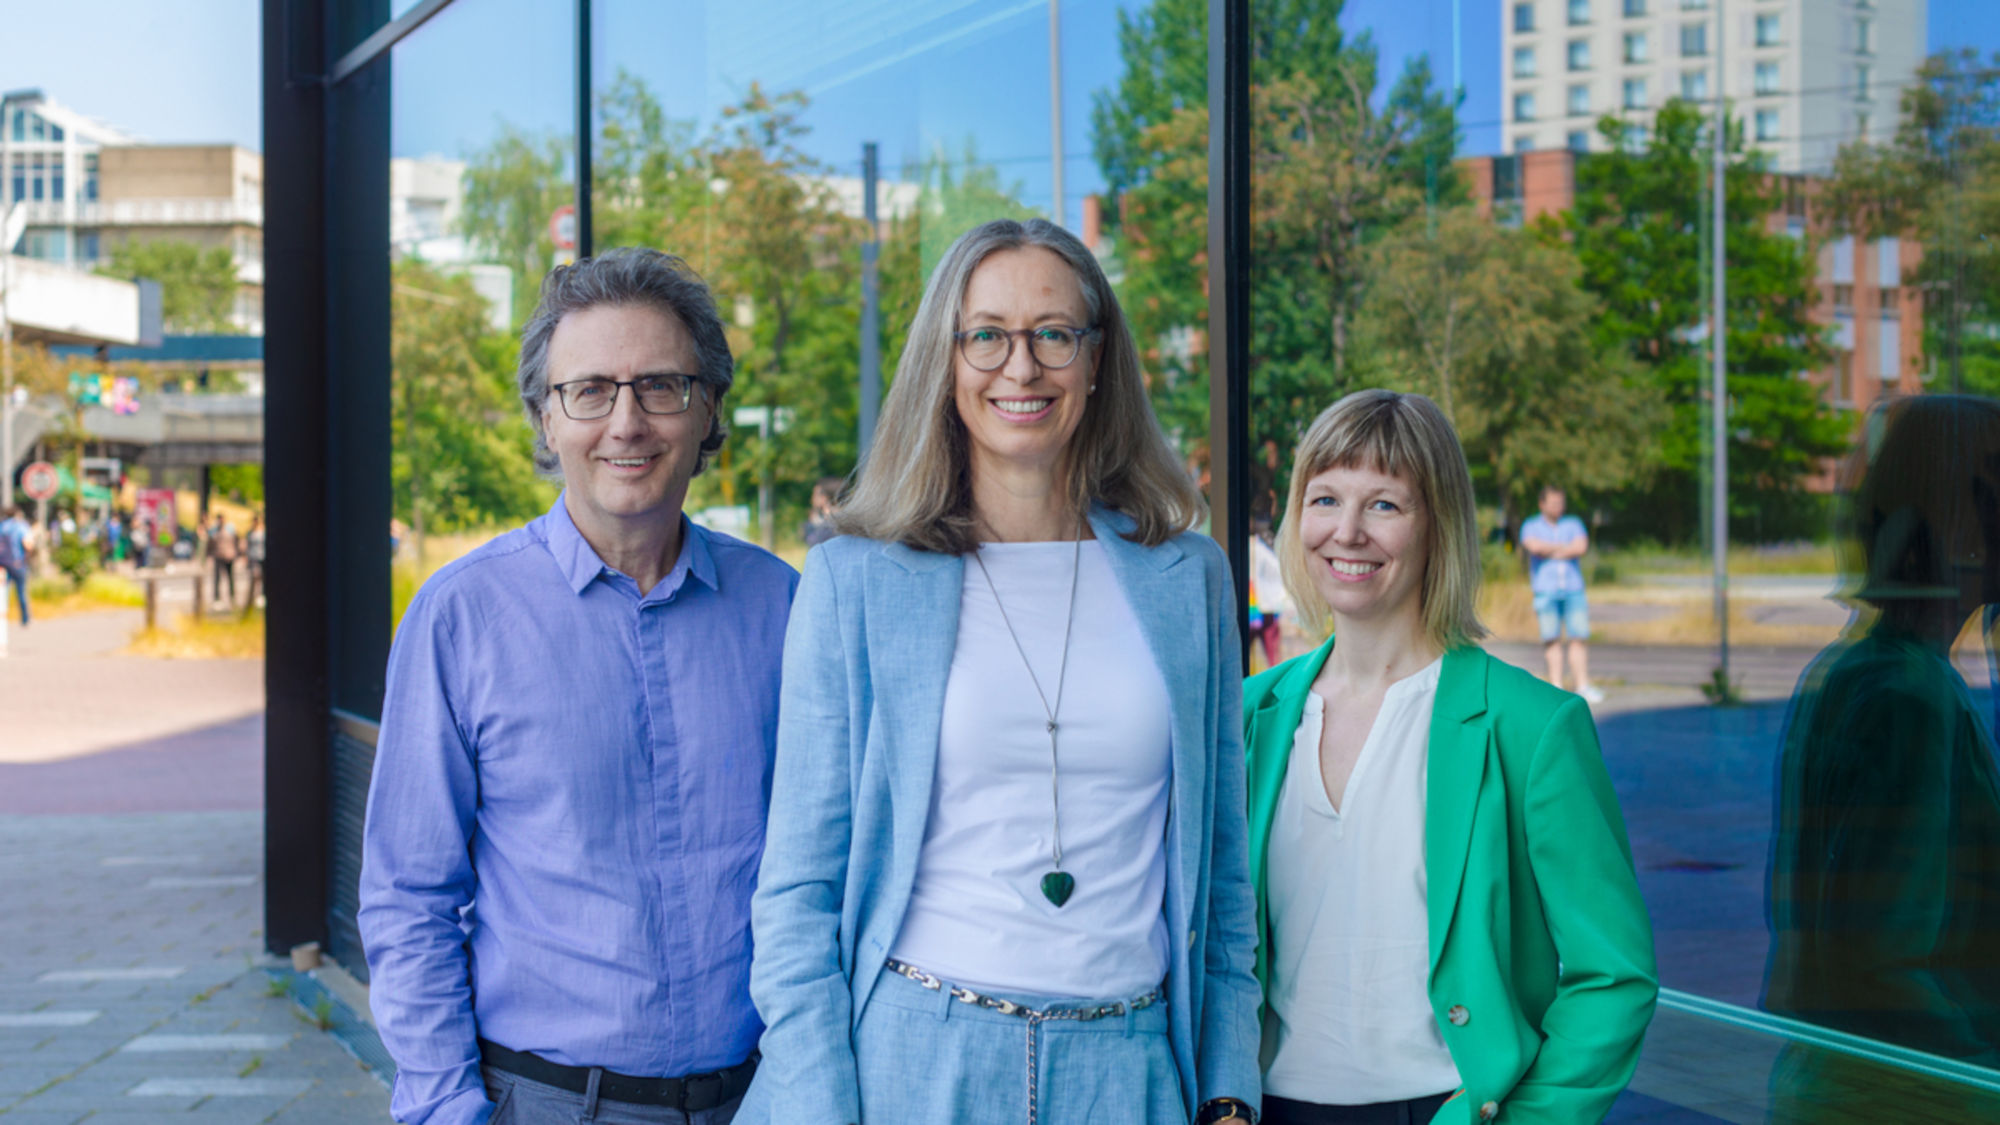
{"points": [[1005, 878]]}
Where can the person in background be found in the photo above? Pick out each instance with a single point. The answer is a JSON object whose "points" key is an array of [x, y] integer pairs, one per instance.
{"points": [[1554, 542], [1448, 907], [223, 546], [253, 552], [567, 810], [819, 525], [1001, 679], [1270, 604], [14, 559]]}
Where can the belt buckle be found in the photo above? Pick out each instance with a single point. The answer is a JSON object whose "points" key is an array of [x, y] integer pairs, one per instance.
{"points": [[687, 1087]]}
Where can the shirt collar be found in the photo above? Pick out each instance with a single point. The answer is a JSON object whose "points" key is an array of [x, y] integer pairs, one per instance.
{"points": [[581, 565]]}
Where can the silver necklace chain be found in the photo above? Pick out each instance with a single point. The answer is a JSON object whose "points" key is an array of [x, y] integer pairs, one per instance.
{"points": [[1062, 675]]}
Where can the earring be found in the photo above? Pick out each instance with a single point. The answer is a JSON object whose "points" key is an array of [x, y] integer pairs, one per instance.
{"points": [[1093, 389]]}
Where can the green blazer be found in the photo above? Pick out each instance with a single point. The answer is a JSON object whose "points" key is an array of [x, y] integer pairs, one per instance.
{"points": [[1542, 975]]}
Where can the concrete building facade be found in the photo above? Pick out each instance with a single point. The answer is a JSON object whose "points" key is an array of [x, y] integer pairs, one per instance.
{"points": [[1804, 76]]}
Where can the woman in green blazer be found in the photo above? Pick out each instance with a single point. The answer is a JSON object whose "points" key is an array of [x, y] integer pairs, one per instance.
{"points": [[1450, 927]]}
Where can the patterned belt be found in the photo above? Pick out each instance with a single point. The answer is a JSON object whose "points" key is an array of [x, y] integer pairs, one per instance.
{"points": [[1035, 1017]]}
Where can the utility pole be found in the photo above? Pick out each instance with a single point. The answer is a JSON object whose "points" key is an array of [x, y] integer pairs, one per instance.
{"points": [[1056, 110], [871, 304], [1718, 350]]}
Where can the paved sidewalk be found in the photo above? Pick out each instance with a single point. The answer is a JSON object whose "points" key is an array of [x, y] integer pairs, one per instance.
{"points": [[133, 985]]}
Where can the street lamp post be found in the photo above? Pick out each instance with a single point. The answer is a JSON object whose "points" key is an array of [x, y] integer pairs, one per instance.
{"points": [[7, 101]]}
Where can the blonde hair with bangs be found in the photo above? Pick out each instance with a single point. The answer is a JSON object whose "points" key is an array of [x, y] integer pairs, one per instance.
{"points": [[915, 487], [1407, 436]]}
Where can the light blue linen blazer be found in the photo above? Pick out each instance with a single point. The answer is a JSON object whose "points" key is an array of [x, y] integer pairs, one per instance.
{"points": [[867, 653]]}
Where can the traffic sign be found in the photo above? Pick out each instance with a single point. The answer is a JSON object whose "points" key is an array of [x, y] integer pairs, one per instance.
{"points": [[562, 227], [39, 481]]}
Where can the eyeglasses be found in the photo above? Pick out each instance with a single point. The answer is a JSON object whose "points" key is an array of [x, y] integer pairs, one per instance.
{"points": [[586, 400], [988, 347]]}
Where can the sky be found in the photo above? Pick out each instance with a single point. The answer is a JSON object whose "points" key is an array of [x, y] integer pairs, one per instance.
{"points": [[911, 75]]}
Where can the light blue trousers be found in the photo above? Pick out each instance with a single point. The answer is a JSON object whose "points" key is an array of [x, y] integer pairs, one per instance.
{"points": [[925, 1058]]}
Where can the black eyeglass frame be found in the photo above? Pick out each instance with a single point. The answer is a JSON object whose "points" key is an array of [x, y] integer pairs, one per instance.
{"points": [[688, 384], [1083, 336]]}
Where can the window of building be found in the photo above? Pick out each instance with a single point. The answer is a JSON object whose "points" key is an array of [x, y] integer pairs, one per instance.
{"points": [[1691, 5], [1767, 78], [1843, 377], [19, 188], [1694, 39], [46, 245], [1841, 250], [1578, 140], [1524, 62], [20, 124], [1524, 144], [1635, 7], [1864, 78], [1888, 262], [1635, 47], [1694, 85], [90, 177], [1579, 54], [1767, 30], [1891, 298], [1864, 36], [1767, 124], [55, 132], [1635, 93], [87, 247], [38, 129], [1524, 107], [37, 186], [1579, 12], [1524, 17], [1636, 138], [1579, 100], [1843, 298], [1889, 347], [58, 178], [1860, 126]]}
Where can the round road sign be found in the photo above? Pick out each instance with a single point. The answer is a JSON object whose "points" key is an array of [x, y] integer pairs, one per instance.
{"points": [[562, 227], [39, 481]]}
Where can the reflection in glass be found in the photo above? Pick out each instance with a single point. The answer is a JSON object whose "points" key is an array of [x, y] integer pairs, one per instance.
{"points": [[1885, 869]]}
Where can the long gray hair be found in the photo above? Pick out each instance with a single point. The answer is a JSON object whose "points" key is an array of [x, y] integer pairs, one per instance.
{"points": [[915, 487], [635, 277]]}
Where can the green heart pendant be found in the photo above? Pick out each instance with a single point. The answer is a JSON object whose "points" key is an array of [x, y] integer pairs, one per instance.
{"points": [[1057, 885]]}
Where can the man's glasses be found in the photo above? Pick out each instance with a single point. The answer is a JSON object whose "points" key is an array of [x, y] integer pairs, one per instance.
{"points": [[1054, 346], [586, 400]]}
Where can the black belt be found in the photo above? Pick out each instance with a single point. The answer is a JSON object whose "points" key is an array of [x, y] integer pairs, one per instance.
{"points": [[692, 1094]]}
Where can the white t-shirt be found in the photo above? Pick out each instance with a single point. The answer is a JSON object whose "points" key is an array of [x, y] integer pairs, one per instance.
{"points": [[1349, 1018], [977, 916]]}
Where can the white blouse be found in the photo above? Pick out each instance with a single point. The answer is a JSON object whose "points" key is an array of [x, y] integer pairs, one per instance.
{"points": [[977, 916], [1349, 1018]]}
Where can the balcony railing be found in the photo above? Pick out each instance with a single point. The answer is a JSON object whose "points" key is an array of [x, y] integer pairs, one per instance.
{"points": [[148, 212]]}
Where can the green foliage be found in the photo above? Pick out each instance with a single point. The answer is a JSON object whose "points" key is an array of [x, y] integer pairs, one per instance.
{"points": [[1640, 229], [460, 452], [1938, 181], [1720, 690], [511, 188], [197, 284], [76, 559], [1492, 325], [1334, 166], [244, 482]]}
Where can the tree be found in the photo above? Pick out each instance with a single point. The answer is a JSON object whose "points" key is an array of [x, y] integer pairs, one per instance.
{"points": [[511, 188], [1333, 167], [197, 285], [1639, 225], [1492, 324], [1938, 181], [459, 444]]}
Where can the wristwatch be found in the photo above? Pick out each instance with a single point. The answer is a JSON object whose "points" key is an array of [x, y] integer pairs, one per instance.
{"points": [[1225, 1109]]}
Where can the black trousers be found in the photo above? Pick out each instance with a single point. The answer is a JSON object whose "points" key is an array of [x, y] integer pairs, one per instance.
{"points": [[1416, 1111]]}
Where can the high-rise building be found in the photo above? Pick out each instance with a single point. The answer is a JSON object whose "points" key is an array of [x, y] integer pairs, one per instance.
{"points": [[1804, 76]]}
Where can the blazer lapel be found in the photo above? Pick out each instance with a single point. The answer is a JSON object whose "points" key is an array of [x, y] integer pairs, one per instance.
{"points": [[1456, 770], [1268, 735], [912, 619], [1165, 594]]}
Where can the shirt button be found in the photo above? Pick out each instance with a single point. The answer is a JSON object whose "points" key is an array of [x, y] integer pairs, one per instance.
{"points": [[1190, 939], [1489, 1111], [1458, 1015]]}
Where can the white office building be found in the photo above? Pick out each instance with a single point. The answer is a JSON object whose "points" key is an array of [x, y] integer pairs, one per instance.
{"points": [[1804, 76]]}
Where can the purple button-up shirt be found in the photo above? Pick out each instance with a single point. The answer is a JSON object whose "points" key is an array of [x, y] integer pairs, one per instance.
{"points": [[567, 813]]}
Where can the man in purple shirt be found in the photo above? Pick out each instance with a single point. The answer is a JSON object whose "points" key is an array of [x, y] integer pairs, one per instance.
{"points": [[568, 805]]}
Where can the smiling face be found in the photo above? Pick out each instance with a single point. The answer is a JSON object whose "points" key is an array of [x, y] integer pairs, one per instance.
{"points": [[1022, 415], [1366, 543], [628, 471]]}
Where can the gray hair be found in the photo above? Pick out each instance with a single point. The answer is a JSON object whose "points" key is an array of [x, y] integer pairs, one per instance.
{"points": [[631, 276], [915, 486]]}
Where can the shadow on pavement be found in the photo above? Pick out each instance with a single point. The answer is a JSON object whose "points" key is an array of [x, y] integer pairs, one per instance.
{"points": [[209, 769]]}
